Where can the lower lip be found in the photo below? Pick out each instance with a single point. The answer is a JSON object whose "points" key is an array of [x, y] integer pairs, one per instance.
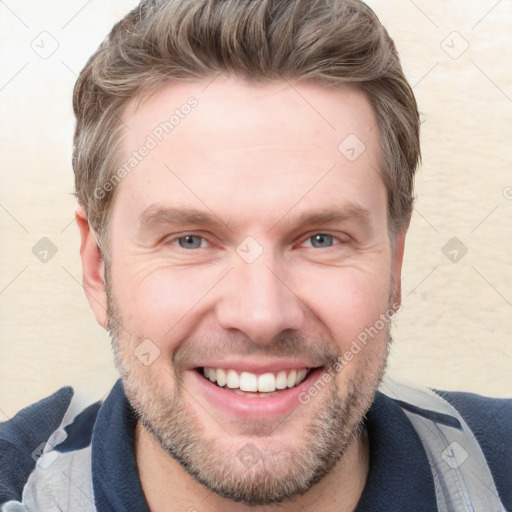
{"points": [[255, 407]]}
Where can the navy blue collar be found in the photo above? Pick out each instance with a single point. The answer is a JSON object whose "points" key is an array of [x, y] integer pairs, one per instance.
{"points": [[399, 479], [115, 479]]}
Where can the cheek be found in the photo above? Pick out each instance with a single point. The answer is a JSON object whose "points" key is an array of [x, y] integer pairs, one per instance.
{"points": [[347, 300], [157, 302]]}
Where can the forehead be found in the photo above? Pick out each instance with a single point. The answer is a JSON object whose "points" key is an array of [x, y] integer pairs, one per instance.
{"points": [[226, 144], [269, 113]]}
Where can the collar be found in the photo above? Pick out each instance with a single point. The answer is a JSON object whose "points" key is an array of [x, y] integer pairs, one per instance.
{"points": [[115, 479], [399, 478]]}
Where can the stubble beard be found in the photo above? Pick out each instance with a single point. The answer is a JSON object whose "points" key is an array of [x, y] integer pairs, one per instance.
{"points": [[249, 470]]}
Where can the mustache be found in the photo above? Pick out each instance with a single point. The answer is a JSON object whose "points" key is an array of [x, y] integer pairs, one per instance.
{"points": [[285, 345]]}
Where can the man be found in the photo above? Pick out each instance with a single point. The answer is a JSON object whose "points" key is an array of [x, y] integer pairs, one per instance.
{"points": [[244, 171]]}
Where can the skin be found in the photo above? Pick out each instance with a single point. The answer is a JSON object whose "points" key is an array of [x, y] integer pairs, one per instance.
{"points": [[256, 158]]}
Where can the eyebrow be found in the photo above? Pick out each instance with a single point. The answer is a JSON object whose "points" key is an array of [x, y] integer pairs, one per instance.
{"points": [[328, 216], [160, 215], [156, 215]]}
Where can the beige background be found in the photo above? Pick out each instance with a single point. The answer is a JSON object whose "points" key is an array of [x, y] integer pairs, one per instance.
{"points": [[455, 330]]}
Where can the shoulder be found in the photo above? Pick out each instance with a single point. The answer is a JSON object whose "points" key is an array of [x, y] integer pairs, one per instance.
{"points": [[490, 420], [59, 421]]}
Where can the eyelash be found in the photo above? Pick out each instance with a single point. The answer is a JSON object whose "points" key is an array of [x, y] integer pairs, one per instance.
{"points": [[336, 238]]}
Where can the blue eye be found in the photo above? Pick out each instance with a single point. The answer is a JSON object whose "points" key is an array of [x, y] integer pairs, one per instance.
{"points": [[190, 241], [321, 240]]}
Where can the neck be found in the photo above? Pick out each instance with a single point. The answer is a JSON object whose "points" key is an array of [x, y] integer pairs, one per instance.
{"points": [[168, 487]]}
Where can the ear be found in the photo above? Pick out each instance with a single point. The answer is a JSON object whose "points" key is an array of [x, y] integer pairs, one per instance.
{"points": [[93, 268], [397, 260]]}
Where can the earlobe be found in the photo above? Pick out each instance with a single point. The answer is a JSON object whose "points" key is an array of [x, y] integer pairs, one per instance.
{"points": [[93, 268]]}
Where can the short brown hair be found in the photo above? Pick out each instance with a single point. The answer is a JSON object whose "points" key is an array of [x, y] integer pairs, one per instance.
{"points": [[160, 41]]}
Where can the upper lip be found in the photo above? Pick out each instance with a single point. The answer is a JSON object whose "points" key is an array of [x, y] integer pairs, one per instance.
{"points": [[258, 366]]}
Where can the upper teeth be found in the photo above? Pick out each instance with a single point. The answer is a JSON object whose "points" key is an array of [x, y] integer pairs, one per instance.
{"points": [[246, 381]]}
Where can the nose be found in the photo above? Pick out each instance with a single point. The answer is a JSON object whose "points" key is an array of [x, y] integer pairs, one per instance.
{"points": [[258, 300]]}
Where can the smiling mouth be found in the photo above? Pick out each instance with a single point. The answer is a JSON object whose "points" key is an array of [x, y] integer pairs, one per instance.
{"points": [[255, 385]]}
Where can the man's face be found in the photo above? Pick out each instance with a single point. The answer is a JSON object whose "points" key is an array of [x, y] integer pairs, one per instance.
{"points": [[249, 239]]}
